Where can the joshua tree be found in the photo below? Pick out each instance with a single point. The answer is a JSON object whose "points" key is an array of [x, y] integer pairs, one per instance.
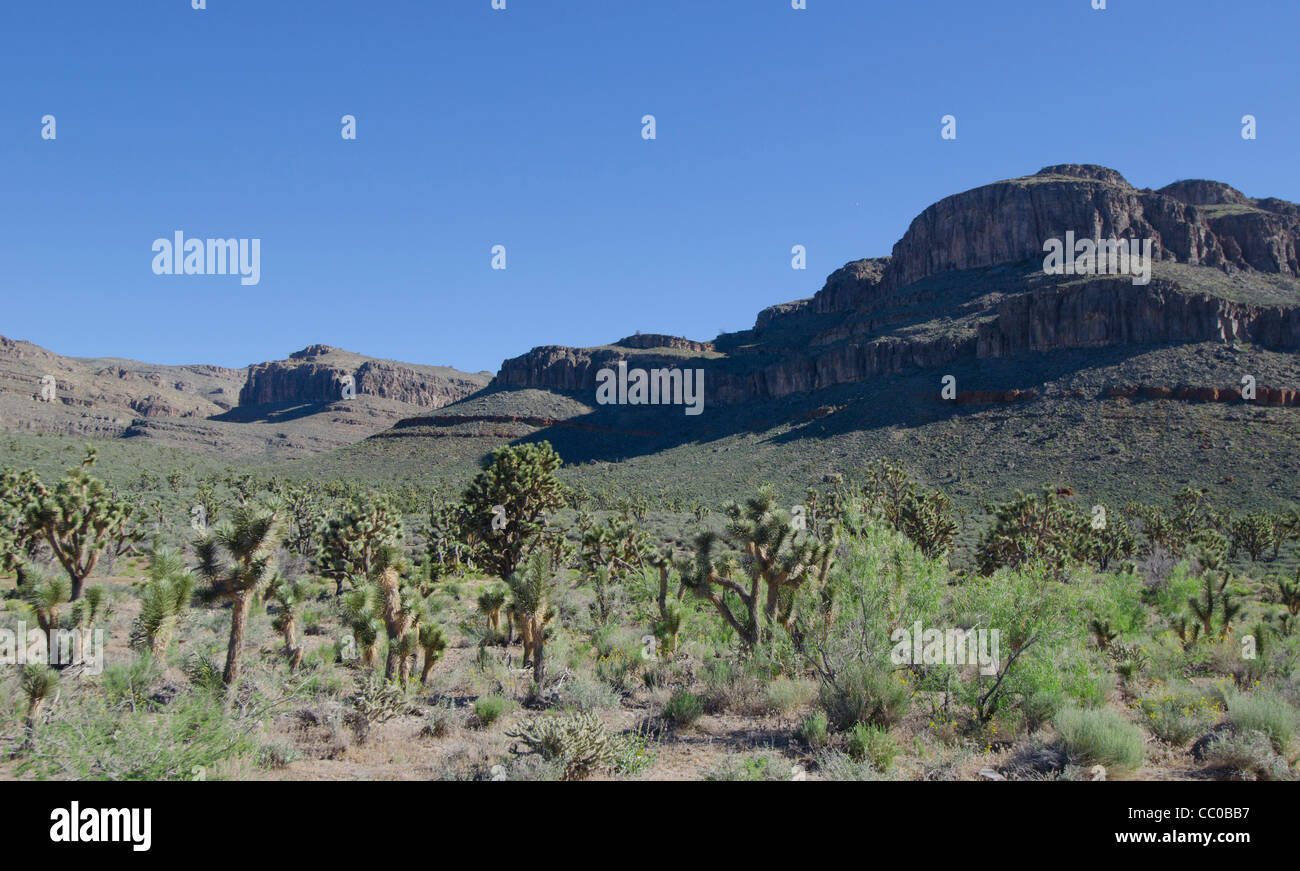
{"points": [[669, 624], [289, 595], [1214, 599], [46, 594], [531, 588], [770, 561], [1287, 593], [351, 542], [610, 552], [1033, 529], [38, 682], [432, 642], [79, 519], [1253, 533], [163, 599], [361, 610], [249, 540], [452, 540], [19, 542], [489, 603], [507, 502], [395, 601]]}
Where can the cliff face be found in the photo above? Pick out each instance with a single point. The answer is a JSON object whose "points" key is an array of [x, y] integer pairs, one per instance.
{"points": [[317, 374], [553, 367], [1197, 223], [1106, 312], [966, 281]]}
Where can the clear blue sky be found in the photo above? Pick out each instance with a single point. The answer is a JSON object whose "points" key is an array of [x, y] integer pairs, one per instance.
{"points": [[477, 127]]}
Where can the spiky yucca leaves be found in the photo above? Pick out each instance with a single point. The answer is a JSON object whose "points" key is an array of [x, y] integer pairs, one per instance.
{"points": [[1253, 533], [759, 564], [890, 493], [1112, 542], [516, 489], [433, 642], [1102, 634], [1033, 529], [89, 608], [46, 593], [490, 602], [165, 595], [395, 602], [530, 608], [351, 542], [579, 741], [38, 683], [289, 596], [1214, 599], [361, 609], [78, 519], [609, 553], [19, 541], [236, 557], [1287, 593], [453, 540], [667, 627]]}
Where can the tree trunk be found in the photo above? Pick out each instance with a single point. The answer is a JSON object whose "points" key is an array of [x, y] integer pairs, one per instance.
{"points": [[539, 661], [238, 617]]}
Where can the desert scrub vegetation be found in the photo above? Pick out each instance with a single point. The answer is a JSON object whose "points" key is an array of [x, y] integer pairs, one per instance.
{"points": [[519, 628]]}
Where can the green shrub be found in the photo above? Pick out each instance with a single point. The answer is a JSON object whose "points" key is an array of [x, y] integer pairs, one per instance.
{"points": [[89, 741], [1175, 717], [752, 769], [489, 709], [865, 694], [813, 731], [785, 695], [1263, 712], [1040, 706], [1250, 754], [1101, 737], [834, 765], [683, 708], [873, 744]]}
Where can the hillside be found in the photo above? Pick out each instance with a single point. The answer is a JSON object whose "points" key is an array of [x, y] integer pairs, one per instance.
{"points": [[282, 408]]}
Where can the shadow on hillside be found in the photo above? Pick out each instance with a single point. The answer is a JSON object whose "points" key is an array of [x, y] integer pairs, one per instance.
{"points": [[906, 400], [272, 412]]}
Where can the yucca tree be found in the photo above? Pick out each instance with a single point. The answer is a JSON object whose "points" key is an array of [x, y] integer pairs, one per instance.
{"points": [[361, 609], [433, 642], [490, 602], [289, 596], [1041, 529], [164, 598], [609, 553], [351, 542], [78, 519], [1287, 593], [760, 563], [38, 683], [402, 607], [46, 593], [236, 558], [393, 602], [531, 588], [507, 502], [19, 541]]}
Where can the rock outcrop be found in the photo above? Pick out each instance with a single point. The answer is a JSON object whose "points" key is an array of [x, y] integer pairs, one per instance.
{"points": [[317, 374], [966, 281]]}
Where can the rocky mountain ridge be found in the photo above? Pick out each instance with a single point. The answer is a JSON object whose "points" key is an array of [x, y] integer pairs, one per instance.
{"points": [[966, 281]]}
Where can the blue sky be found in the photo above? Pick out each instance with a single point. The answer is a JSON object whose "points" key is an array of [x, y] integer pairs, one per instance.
{"points": [[523, 128]]}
